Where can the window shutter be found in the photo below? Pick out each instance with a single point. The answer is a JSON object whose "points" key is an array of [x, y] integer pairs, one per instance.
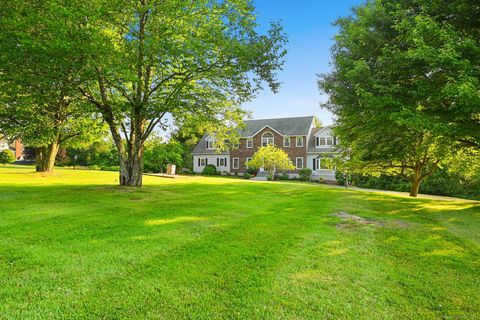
{"points": [[206, 161], [218, 161], [199, 162], [314, 165], [225, 161], [334, 141]]}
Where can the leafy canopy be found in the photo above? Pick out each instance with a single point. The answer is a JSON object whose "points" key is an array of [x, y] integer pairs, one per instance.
{"points": [[272, 159]]}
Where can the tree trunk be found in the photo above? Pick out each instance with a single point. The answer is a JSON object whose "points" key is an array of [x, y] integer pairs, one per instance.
{"points": [[45, 157], [417, 179], [131, 164], [40, 156], [131, 170]]}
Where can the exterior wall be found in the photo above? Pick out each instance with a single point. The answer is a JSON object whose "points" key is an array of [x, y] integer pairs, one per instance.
{"points": [[211, 159], [327, 132], [4, 144], [242, 153], [16, 147], [325, 174]]}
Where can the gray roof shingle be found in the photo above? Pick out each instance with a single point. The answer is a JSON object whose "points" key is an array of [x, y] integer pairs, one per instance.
{"points": [[298, 126]]}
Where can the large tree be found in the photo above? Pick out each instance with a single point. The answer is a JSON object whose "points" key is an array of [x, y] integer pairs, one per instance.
{"points": [[388, 89], [154, 60], [40, 71], [271, 159]]}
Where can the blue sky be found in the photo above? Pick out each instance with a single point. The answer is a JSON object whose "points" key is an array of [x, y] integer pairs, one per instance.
{"points": [[308, 24]]}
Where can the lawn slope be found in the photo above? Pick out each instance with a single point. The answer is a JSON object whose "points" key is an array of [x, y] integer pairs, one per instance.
{"points": [[74, 245]]}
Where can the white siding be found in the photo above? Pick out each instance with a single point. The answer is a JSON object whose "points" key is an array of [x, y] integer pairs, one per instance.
{"points": [[3, 144], [211, 159]]}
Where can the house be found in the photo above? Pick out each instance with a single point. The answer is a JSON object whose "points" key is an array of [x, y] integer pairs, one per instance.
{"points": [[16, 147], [306, 145]]}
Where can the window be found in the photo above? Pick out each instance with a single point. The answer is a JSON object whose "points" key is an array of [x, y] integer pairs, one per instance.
{"points": [[247, 160], [299, 141], [249, 143], [267, 139], [202, 162], [235, 163], [324, 163], [299, 162], [221, 162], [236, 145], [210, 144], [286, 141], [323, 141]]}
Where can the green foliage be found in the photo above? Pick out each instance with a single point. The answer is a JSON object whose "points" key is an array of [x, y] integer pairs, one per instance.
{"points": [[283, 176], [305, 174], [247, 176], [6, 156], [395, 84], [101, 153], [41, 70], [272, 159], [414, 67], [158, 154], [252, 170], [341, 177], [209, 170]]}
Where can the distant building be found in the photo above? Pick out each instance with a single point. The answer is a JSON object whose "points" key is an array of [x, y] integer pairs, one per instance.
{"points": [[16, 147], [306, 145]]}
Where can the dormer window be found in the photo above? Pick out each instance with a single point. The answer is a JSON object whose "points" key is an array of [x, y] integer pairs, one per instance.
{"points": [[324, 141], [267, 139], [210, 144], [249, 143], [286, 141]]}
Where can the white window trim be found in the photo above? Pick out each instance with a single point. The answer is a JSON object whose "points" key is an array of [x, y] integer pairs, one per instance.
{"points": [[246, 160], [296, 163], [273, 139], [233, 163], [249, 140], [203, 162], [286, 139], [326, 141], [220, 160], [210, 142], [296, 141]]}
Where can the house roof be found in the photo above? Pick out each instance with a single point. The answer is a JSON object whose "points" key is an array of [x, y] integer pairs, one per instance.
{"points": [[298, 126], [201, 148]]}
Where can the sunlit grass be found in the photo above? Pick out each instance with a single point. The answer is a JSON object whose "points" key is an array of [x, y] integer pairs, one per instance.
{"points": [[74, 245]]}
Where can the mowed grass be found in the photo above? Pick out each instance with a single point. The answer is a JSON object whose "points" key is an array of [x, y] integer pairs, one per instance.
{"points": [[74, 245]]}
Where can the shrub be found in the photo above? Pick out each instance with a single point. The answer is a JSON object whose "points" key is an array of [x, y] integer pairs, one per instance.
{"points": [[209, 170], [305, 174], [94, 167], [283, 176], [247, 176], [6, 156], [252, 170], [341, 177]]}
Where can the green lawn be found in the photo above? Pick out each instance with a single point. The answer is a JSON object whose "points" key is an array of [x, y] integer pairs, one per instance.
{"points": [[76, 246]]}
